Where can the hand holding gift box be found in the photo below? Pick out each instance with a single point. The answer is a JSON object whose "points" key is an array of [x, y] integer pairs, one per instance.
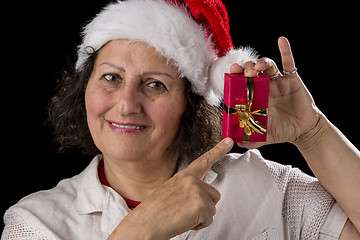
{"points": [[294, 117], [291, 110]]}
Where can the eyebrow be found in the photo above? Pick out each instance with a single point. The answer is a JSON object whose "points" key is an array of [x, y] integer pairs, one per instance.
{"points": [[113, 66], [144, 73], [158, 73]]}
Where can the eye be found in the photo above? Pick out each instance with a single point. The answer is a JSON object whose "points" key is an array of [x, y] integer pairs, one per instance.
{"points": [[110, 77], [157, 85], [153, 88]]}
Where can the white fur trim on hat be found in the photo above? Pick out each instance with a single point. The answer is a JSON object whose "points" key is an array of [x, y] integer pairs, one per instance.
{"points": [[221, 66], [171, 30]]}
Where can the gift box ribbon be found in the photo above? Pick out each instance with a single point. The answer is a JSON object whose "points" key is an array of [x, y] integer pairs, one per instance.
{"points": [[246, 119]]}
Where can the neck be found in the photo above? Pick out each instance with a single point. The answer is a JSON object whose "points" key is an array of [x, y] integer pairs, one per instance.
{"points": [[137, 179]]}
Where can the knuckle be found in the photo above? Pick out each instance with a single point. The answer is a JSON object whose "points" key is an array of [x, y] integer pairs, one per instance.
{"points": [[190, 180], [206, 158], [189, 183], [206, 218], [213, 210], [249, 64], [208, 221], [197, 192], [200, 206], [217, 197], [179, 175]]}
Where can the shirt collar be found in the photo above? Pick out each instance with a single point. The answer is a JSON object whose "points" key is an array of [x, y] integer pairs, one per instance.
{"points": [[92, 196]]}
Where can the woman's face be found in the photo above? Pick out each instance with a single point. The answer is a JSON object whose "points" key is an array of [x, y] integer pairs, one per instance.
{"points": [[134, 102]]}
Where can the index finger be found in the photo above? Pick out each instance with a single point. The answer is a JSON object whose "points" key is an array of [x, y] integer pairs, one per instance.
{"points": [[286, 55], [202, 165]]}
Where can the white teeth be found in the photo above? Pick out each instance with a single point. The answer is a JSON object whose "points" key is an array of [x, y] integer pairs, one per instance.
{"points": [[127, 126]]}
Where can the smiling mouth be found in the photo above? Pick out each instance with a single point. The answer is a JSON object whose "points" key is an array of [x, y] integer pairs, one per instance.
{"points": [[127, 126]]}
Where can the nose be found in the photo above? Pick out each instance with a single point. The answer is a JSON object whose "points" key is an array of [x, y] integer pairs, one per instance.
{"points": [[128, 101]]}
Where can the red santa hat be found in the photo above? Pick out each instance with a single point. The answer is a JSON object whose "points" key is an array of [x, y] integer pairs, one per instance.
{"points": [[194, 34]]}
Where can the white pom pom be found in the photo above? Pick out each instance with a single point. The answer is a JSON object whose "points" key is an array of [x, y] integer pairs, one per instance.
{"points": [[221, 66]]}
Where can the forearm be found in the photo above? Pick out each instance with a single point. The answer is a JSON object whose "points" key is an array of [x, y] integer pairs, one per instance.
{"points": [[336, 163]]}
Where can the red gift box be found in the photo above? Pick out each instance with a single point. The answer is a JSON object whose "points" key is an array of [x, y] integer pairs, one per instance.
{"points": [[245, 107]]}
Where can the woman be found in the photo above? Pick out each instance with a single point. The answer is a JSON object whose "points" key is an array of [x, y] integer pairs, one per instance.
{"points": [[144, 93]]}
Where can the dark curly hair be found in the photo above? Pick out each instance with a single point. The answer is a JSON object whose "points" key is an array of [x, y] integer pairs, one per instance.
{"points": [[200, 128]]}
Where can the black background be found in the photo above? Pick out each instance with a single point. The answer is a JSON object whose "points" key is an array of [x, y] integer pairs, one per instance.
{"points": [[40, 38]]}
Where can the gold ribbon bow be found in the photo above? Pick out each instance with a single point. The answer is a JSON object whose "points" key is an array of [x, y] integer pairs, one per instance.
{"points": [[246, 119]]}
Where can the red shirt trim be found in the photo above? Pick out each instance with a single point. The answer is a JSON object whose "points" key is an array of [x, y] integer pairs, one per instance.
{"points": [[103, 180]]}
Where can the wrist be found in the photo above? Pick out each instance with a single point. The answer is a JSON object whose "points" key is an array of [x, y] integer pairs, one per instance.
{"points": [[133, 227], [313, 137]]}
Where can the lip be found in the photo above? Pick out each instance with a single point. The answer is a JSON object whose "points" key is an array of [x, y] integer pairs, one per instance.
{"points": [[120, 127]]}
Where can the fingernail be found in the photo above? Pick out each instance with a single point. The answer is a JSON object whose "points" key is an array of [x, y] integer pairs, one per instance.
{"points": [[228, 140]]}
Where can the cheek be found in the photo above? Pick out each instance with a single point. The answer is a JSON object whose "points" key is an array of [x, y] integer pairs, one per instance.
{"points": [[167, 116], [96, 103]]}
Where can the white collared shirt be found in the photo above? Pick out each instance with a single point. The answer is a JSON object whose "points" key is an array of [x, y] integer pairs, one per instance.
{"points": [[260, 199]]}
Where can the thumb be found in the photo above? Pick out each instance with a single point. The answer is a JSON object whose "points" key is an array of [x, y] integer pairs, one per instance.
{"points": [[202, 165]]}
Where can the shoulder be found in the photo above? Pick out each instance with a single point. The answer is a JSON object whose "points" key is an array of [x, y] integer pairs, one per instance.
{"points": [[245, 184], [249, 169], [289, 180], [59, 195], [251, 157], [39, 210], [247, 174], [252, 162], [300, 199], [249, 162], [64, 191], [43, 201]]}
